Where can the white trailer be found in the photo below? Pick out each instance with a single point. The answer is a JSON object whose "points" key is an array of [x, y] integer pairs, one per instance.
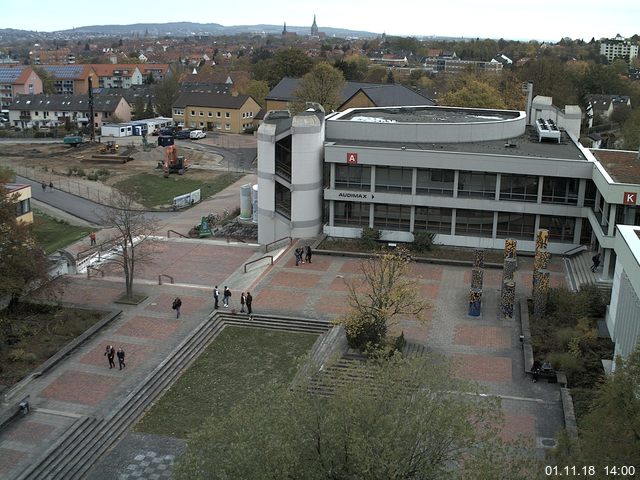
{"points": [[116, 130]]}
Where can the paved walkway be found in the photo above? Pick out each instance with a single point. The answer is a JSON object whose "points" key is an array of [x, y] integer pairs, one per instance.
{"points": [[486, 349]]}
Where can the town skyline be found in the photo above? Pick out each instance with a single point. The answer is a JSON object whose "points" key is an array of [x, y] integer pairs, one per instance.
{"points": [[457, 18]]}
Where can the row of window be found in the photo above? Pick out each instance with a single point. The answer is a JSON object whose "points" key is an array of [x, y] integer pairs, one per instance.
{"points": [[476, 223], [216, 126], [210, 114], [523, 188]]}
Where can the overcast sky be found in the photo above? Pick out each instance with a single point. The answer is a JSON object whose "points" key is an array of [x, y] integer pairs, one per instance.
{"points": [[510, 19]]}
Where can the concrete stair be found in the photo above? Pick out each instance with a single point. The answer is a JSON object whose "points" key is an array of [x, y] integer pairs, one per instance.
{"points": [[80, 447], [580, 274]]}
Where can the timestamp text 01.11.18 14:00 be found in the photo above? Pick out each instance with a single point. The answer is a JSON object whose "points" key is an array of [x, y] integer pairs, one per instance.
{"points": [[590, 471]]}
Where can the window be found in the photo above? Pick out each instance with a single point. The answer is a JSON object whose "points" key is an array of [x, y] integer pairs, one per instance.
{"points": [[351, 214], [560, 228], [474, 223], [209, 114], [435, 182], [560, 190], [227, 115], [392, 217], [283, 200], [201, 114], [516, 225], [201, 124], [193, 113], [218, 115], [353, 177], [590, 195], [433, 220], [477, 185], [522, 188], [23, 207], [227, 126], [393, 179]]}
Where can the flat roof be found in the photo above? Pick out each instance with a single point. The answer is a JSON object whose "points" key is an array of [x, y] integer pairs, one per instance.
{"points": [[526, 145], [426, 114], [623, 166]]}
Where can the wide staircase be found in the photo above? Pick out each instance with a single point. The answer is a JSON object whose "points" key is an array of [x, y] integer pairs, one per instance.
{"points": [[82, 445], [580, 274]]}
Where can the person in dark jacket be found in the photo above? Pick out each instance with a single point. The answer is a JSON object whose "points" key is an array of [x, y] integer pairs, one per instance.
{"points": [[216, 296], [308, 253], [110, 354], [225, 296], [121, 358], [177, 303], [248, 300]]}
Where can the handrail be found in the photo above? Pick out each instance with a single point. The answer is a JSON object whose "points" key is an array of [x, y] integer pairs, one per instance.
{"points": [[164, 275], [177, 233], [256, 260], [89, 268], [266, 247], [571, 250]]}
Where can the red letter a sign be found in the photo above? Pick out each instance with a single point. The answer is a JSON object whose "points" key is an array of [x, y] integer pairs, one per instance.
{"points": [[352, 158]]}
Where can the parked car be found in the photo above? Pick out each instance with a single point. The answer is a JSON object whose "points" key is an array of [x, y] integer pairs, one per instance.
{"points": [[197, 134], [182, 134]]}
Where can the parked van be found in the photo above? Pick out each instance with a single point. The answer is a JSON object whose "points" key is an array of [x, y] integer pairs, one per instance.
{"points": [[197, 134]]}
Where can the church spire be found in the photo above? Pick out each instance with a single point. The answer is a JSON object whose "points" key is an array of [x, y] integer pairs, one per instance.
{"points": [[314, 27], [284, 30]]}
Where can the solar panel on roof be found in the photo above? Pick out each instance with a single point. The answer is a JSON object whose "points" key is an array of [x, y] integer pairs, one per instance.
{"points": [[10, 74], [64, 71]]}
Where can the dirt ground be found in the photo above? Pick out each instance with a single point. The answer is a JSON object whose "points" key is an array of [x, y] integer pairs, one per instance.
{"points": [[45, 161]]}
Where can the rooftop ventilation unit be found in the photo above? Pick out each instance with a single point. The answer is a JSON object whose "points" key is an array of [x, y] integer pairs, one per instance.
{"points": [[547, 129]]}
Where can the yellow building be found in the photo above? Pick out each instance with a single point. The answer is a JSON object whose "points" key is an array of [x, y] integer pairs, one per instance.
{"points": [[23, 201], [216, 112]]}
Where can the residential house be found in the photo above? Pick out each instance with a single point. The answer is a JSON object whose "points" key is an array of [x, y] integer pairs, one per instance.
{"points": [[354, 94], [118, 75], [17, 80], [28, 111], [604, 105], [71, 79], [58, 56], [218, 112], [23, 201], [158, 71], [503, 59]]}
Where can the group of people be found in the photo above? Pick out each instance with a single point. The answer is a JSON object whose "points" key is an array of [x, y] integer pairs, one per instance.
{"points": [[245, 299], [299, 252], [44, 186], [111, 353]]}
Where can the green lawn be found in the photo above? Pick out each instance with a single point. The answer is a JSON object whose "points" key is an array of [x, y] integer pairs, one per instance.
{"points": [[53, 234], [236, 363], [156, 191]]}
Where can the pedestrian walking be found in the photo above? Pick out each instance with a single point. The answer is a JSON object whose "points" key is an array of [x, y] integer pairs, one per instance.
{"points": [[216, 296], [308, 254], [243, 299], [51, 186], [110, 354], [226, 295], [596, 262], [298, 254], [44, 187], [92, 237], [177, 303], [248, 299], [121, 358]]}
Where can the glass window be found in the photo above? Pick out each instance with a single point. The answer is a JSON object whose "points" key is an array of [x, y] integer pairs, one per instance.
{"points": [[475, 223], [560, 228], [209, 114], [477, 184], [522, 188], [227, 115], [23, 206], [351, 214], [218, 114], [283, 200], [515, 225], [560, 190], [353, 177], [435, 182], [590, 194], [392, 217], [202, 114], [433, 220], [394, 179], [193, 112]]}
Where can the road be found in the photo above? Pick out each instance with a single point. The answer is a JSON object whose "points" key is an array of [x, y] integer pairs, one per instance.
{"points": [[77, 206]]}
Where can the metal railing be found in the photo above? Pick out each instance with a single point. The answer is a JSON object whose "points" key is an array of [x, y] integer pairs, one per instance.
{"points": [[257, 260], [574, 250], [165, 275], [177, 233], [266, 247]]}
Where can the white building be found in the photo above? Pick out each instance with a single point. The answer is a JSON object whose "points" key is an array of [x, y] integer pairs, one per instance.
{"points": [[618, 48]]}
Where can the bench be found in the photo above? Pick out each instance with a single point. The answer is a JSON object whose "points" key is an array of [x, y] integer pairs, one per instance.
{"points": [[20, 409]]}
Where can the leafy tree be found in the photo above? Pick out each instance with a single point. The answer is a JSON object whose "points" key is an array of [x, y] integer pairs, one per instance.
{"points": [[48, 86], [148, 111], [323, 84], [610, 432], [288, 62], [138, 108], [23, 264], [376, 74], [390, 78], [258, 90], [150, 79], [383, 293], [393, 419], [133, 228], [631, 132], [473, 93]]}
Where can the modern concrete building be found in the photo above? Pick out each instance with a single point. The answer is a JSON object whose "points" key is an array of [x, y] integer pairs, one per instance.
{"points": [[618, 47]]}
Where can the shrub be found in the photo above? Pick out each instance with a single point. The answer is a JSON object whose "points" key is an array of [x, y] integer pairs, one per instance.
{"points": [[566, 362], [362, 333], [19, 355], [422, 242], [369, 237]]}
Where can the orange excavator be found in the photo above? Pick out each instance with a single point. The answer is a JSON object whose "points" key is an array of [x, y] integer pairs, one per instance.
{"points": [[173, 163]]}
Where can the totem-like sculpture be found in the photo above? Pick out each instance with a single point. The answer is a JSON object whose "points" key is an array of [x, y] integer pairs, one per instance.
{"points": [[540, 291], [475, 302], [508, 291], [477, 276]]}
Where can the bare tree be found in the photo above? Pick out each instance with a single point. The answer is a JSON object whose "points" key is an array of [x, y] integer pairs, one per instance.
{"points": [[133, 227]]}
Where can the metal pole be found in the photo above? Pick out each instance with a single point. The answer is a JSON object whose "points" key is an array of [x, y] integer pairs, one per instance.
{"points": [[92, 132]]}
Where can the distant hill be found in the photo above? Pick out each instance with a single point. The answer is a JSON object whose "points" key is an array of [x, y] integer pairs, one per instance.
{"points": [[181, 29]]}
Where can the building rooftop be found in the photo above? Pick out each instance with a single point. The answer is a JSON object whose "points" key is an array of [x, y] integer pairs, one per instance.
{"points": [[623, 166], [422, 114]]}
